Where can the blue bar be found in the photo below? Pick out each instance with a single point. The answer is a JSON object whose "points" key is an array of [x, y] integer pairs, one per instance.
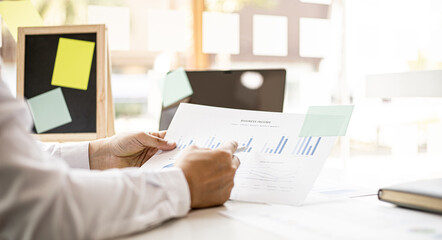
{"points": [[217, 145], [180, 146], [271, 150], [308, 151], [279, 144], [265, 145], [184, 146], [303, 151], [314, 149], [168, 165], [283, 145], [213, 146], [191, 141], [302, 144], [250, 140], [297, 144], [267, 150], [211, 141], [249, 149]]}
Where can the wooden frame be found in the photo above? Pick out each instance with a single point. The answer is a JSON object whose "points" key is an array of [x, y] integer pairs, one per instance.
{"points": [[200, 59], [104, 103]]}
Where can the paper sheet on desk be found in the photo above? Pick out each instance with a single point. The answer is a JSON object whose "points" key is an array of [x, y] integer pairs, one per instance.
{"points": [[350, 219], [277, 166]]}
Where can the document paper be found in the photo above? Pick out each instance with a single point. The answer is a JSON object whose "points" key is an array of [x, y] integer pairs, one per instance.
{"points": [[277, 165]]}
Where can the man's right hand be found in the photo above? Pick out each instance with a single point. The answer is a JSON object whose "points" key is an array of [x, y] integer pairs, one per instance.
{"points": [[209, 173]]}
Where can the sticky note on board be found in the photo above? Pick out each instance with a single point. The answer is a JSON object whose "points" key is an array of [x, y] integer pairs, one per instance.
{"points": [[117, 20], [73, 63], [167, 30], [19, 14], [176, 86], [322, 121], [314, 37], [49, 110], [270, 35], [220, 32]]}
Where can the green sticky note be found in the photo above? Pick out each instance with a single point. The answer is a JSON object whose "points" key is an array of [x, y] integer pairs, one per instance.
{"points": [[73, 63], [176, 87], [49, 110], [19, 14], [322, 121]]}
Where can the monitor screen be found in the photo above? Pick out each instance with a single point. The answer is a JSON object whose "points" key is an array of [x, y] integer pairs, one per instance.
{"points": [[258, 89]]}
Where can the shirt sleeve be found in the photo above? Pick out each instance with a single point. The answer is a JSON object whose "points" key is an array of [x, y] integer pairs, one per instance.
{"points": [[75, 154], [43, 198]]}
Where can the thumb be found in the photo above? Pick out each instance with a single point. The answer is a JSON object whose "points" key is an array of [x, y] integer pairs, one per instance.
{"points": [[229, 146], [149, 140]]}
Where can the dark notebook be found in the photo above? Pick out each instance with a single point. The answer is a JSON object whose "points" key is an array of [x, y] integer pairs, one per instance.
{"points": [[422, 195]]}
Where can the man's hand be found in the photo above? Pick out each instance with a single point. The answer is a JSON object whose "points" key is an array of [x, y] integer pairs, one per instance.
{"points": [[209, 173], [126, 150]]}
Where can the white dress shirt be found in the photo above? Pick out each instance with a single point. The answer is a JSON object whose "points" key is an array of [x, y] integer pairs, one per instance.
{"points": [[52, 194]]}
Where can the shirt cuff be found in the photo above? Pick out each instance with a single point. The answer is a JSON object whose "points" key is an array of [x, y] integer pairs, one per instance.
{"points": [[175, 183], [76, 155]]}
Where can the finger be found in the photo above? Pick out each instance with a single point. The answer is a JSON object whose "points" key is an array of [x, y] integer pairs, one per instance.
{"points": [[229, 146], [160, 134], [235, 162], [153, 141]]}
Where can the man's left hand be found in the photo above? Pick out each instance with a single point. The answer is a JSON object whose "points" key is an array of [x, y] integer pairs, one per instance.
{"points": [[126, 150]]}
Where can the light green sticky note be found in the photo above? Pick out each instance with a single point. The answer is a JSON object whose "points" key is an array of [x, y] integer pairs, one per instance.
{"points": [[73, 63], [322, 121], [176, 87], [49, 110], [19, 14]]}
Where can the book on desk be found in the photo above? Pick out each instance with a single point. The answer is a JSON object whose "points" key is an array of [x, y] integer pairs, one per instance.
{"points": [[423, 195]]}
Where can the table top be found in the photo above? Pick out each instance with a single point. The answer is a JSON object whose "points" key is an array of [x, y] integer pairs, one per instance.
{"points": [[204, 224], [362, 218]]}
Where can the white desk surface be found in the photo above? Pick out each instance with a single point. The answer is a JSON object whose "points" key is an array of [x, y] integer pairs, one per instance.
{"points": [[323, 216], [205, 224], [210, 224]]}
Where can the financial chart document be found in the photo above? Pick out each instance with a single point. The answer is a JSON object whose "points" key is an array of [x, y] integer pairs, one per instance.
{"points": [[277, 165]]}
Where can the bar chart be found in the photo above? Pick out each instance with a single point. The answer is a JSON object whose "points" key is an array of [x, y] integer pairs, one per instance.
{"points": [[306, 146], [277, 148], [248, 145], [213, 142], [184, 144]]}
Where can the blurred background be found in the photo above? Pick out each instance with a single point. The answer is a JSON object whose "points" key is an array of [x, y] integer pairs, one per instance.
{"points": [[331, 50]]}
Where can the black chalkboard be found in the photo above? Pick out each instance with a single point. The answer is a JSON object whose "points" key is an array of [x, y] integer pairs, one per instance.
{"points": [[41, 51]]}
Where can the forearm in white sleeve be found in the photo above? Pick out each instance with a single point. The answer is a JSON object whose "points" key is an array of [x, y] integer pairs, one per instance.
{"points": [[45, 199], [75, 154]]}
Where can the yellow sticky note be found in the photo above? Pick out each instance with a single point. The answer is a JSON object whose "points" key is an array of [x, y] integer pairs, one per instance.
{"points": [[19, 14], [73, 63]]}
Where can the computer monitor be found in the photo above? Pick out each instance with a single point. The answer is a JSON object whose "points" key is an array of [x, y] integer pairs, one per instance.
{"points": [[257, 89]]}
